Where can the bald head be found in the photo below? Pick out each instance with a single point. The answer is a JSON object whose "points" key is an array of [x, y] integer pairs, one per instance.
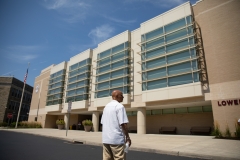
{"points": [[117, 95]]}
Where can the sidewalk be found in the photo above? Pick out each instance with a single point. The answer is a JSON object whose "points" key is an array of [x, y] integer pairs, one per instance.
{"points": [[205, 147]]}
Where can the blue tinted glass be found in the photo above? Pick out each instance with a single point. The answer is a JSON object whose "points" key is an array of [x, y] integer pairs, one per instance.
{"points": [[104, 61], [155, 43], [103, 77], [175, 25], [103, 94], [178, 80], [143, 66], [117, 82], [80, 91], [144, 86], [191, 42], [189, 19], [81, 83], [193, 53], [103, 85], [104, 69], [157, 84], [117, 73], [190, 30], [73, 79], [176, 35], [155, 63], [194, 65], [118, 56], [158, 73], [177, 46], [118, 64], [178, 57], [83, 63], [196, 76], [179, 68], [127, 44], [73, 73], [104, 54], [155, 53], [71, 93], [143, 38], [154, 33], [144, 76], [143, 56], [71, 86], [117, 48], [83, 69], [75, 66]]}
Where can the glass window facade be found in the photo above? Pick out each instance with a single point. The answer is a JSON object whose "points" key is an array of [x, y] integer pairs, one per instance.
{"points": [[113, 70], [55, 88], [169, 56], [78, 81]]}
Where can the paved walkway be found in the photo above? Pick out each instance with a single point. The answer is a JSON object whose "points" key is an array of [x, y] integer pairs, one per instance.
{"points": [[206, 147]]}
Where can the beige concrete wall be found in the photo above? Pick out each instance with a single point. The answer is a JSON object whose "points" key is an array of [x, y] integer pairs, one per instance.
{"points": [[39, 97], [183, 122], [219, 23], [51, 121]]}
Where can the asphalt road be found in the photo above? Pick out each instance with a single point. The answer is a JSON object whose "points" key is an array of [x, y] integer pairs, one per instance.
{"points": [[19, 146]]}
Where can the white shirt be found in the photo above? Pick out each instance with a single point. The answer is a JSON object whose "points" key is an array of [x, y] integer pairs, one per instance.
{"points": [[114, 114]]}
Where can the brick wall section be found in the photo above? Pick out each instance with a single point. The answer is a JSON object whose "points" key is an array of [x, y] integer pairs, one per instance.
{"points": [[5, 86], [219, 23]]}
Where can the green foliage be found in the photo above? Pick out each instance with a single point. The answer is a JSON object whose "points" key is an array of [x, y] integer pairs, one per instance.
{"points": [[60, 122], [26, 124], [3, 124], [87, 122], [13, 124], [237, 133], [216, 132], [227, 132]]}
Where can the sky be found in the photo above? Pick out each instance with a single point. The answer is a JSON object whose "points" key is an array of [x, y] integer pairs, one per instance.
{"points": [[46, 32]]}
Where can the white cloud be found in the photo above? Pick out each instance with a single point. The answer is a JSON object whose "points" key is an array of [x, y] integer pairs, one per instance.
{"points": [[9, 73], [127, 22], [70, 10], [101, 33], [21, 53], [160, 3]]}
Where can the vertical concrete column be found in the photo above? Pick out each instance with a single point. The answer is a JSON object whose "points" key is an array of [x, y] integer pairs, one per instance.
{"points": [[95, 120], [66, 119], [141, 120]]}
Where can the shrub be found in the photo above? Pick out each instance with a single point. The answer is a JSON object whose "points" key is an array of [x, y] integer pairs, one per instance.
{"points": [[87, 122], [227, 132], [60, 122], [3, 124], [26, 124], [13, 124], [216, 132], [237, 133]]}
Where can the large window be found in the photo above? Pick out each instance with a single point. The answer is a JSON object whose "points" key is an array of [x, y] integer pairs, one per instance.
{"points": [[55, 88], [78, 81], [113, 70], [169, 56]]}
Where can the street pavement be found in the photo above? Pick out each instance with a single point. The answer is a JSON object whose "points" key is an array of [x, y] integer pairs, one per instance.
{"points": [[21, 146], [206, 147]]}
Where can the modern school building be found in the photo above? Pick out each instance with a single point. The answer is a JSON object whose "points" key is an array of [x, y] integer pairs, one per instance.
{"points": [[179, 69]]}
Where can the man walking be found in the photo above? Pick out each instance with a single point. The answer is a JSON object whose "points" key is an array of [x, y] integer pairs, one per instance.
{"points": [[115, 132]]}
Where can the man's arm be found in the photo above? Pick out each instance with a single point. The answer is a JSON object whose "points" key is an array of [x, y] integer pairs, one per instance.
{"points": [[125, 130]]}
